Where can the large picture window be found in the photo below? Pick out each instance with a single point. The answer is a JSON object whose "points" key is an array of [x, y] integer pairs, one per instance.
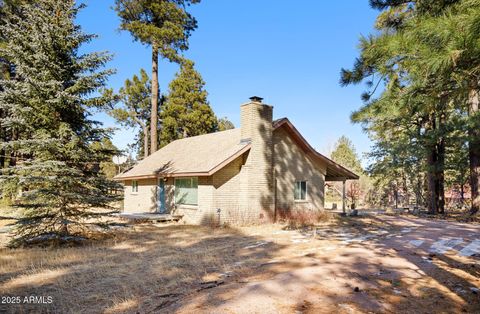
{"points": [[186, 191], [300, 192]]}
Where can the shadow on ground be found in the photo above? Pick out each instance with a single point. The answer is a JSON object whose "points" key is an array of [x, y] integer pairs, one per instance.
{"points": [[143, 270], [188, 268], [383, 273]]}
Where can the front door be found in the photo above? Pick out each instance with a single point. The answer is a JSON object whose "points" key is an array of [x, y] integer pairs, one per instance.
{"points": [[161, 197]]}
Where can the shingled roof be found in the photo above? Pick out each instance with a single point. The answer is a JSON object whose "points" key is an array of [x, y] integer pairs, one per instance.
{"points": [[200, 155], [335, 171], [204, 155]]}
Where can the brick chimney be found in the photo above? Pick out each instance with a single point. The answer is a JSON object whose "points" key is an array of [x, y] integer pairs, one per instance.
{"points": [[256, 127]]}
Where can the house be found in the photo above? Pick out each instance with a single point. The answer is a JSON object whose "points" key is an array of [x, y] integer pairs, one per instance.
{"points": [[458, 195], [248, 174]]}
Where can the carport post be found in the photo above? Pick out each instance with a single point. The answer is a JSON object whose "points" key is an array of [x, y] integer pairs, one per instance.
{"points": [[343, 198]]}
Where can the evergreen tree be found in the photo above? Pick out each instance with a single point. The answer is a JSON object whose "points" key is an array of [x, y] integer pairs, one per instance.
{"points": [[106, 167], [186, 111], [166, 26], [46, 107], [6, 72], [225, 124], [345, 154], [426, 53], [135, 97]]}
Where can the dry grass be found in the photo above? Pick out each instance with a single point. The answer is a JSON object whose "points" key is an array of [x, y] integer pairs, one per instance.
{"points": [[128, 273], [304, 218], [155, 268]]}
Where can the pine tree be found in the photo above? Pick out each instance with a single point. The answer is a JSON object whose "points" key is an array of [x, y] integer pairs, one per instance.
{"points": [[428, 66], [6, 72], [56, 180], [135, 97], [166, 26], [225, 124], [186, 111], [449, 39], [106, 168], [345, 154]]}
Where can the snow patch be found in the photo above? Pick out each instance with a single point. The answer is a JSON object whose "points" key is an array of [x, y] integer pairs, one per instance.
{"points": [[472, 248], [257, 244], [416, 243], [445, 244]]}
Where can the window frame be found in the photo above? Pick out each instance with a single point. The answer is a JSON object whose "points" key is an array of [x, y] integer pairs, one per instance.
{"points": [[305, 199], [175, 191], [134, 186]]}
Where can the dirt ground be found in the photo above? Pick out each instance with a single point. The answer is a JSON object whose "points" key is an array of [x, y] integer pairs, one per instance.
{"points": [[372, 264]]}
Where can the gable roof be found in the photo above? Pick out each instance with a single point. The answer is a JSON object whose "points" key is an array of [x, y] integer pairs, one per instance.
{"points": [[335, 172], [200, 155], [204, 155]]}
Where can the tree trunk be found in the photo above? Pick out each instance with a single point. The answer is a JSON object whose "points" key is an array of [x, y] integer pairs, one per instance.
{"points": [[2, 158], [395, 195], [440, 177], [3, 138], [406, 198], [431, 171], [474, 150], [13, 159], [154, 113], [145, 141], [440, 167], [418, 192], [462, 193], [432, 191]]}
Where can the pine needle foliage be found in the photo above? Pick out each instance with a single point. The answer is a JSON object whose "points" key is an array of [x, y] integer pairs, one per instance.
{"points": [[134, 109], [186, 111], [423, 81], [55, 181], [165, 25]]}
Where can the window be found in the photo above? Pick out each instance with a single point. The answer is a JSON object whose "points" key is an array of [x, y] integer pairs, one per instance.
{"points": [[300, 192], [186, 191], [134, 186]]}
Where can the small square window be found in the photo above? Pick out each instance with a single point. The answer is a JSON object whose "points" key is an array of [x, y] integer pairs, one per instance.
{"points": [[134, 186], [300, 191]]}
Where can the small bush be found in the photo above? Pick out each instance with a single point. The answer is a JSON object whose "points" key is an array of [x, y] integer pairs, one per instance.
{"points": [[303, 218]]}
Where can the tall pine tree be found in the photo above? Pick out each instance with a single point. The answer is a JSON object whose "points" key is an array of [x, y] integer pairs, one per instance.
{"points": [[56, 180], [426, 53], [345, 154], [166, 26], [135, 110]]}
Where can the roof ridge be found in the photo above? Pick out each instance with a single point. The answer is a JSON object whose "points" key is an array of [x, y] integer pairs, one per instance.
{"points": [[206, 134]]}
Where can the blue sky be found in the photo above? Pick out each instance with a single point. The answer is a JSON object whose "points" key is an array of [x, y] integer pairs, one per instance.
{"points": [[288, 52]]}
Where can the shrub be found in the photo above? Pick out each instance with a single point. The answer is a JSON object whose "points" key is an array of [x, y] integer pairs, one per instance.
{"points": [[302, 218]]}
